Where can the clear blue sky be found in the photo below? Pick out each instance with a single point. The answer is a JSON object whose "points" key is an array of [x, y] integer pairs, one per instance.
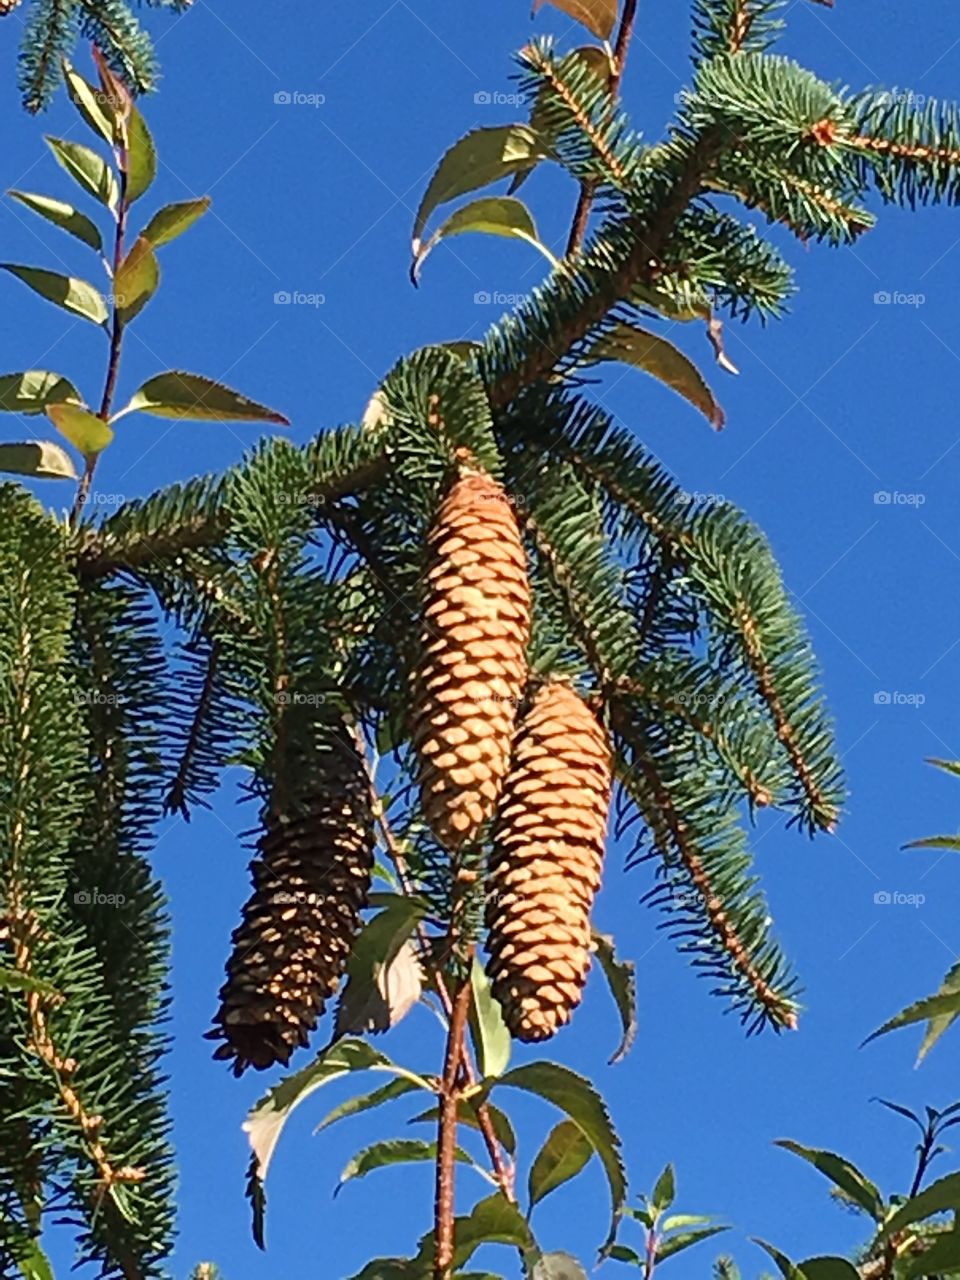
{"points": [[843, 400]]}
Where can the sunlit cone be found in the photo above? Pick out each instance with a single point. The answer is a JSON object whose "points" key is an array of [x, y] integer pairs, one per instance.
{"points": [[7, 6], [472, 670], [548, 844], [311, 878]]}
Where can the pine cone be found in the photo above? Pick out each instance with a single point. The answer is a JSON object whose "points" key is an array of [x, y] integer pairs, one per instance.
{"points": [[548, 846], [476, 625], [311, 880], [7, 6]]}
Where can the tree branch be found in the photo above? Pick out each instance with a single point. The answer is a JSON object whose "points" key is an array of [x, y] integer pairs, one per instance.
{"points": [[447, 1130]]}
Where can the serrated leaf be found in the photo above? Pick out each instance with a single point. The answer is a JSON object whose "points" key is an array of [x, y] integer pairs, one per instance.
{"points": [[83, 429], [492, 1221], [367, 1101], [621, 976], [177, 394], [32, 390], [265, 1122], [384, 977], [942, 1258], [87, 168], [74, 295], [393, 1151], [491, 1037], [140, 158], [479, 158], [558, 1266], [62, 215], [499, 1122], [842, 1174], [565, 1152], [40, 458], [937, 1026], [13, 979], [137, 280], [91, 102], [173, 220], [490, 215], [684, 1239], [829, 1268], [580, 1101], [597, 16], [940, 1197], [665, 1190], [926, 1010], [660, 358]]}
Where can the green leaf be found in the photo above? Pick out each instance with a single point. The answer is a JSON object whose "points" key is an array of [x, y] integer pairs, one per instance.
{"points": [[927, 1010], [676, 1220], [394, 1151], [789, 1270], [558, 1266], [137, 280], [176, 394], [481, 157], [62, 215], [87, 168], [577, 1097], [623, 1253], [83, 429], [937, 1026], [33, 1263], [466, 1115], [565, 1152], [265, 1122], [367, 1101], [940, 1197], [842, 1174], [950, 766], [384, 977], [173, 220], [31, 391], [684, 1239], [40, 458], [66, 291], [140, 160], [942, 1258], [490, 1035], [490, 215], [665, 1191], [935, 842], [597, 16], [92, 103], [621, 976], [829, 1268], [13, 979], [664, 361], [492, 1221]]}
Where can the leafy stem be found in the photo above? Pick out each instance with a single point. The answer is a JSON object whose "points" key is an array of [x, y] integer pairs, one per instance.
{"points": [[450, 1091]]}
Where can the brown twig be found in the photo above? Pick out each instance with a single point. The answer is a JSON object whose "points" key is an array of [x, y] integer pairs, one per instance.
{"points": [[116, 342], [450, 1094], [581, 217]]}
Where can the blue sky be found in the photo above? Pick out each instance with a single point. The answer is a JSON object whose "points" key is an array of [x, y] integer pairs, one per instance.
{"points": [[848, 399]]}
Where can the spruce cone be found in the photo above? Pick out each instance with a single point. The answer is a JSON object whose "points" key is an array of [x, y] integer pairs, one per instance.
{"points": [[7, 6], [547, 855], [311, 879], [472, 670]]}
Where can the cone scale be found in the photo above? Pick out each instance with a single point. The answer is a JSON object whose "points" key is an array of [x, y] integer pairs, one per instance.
{"points": [[548, 844]]}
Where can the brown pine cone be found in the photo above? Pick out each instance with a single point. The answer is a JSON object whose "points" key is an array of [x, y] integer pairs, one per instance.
{"points": [[548, 845], [472, 669]]}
